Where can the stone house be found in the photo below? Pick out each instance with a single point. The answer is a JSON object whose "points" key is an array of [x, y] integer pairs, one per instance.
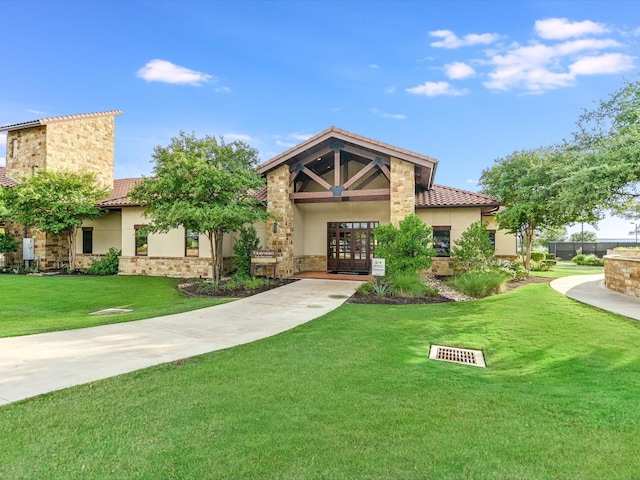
{"points": [[326, 194]]}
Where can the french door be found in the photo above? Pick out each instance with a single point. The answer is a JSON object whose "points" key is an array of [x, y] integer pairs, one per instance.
{"points": [[350, 246]]}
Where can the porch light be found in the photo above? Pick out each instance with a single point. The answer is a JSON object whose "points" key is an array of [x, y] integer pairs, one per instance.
{"points": [[275, 227]]}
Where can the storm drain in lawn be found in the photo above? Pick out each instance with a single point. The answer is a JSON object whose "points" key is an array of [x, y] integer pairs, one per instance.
{"points": [[457, 355]]}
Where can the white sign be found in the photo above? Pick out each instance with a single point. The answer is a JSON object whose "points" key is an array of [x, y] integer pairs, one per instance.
{"points": [[378, 267]]}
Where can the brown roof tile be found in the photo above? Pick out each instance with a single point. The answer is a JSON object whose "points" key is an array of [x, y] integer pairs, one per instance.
{"points": [[64, 118], [6, 181], [441, 196], [120, 194]]}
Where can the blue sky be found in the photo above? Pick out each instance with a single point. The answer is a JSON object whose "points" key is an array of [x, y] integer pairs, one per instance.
{"points": [[466, 82]]}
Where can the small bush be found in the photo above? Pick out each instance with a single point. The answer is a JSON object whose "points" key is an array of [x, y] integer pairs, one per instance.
{"points": [[473, 250], [107, 265], [430, 291], [406, 284], [479, 284], [246, 242], [512, 269], [550, 256], [538, 256], [588, 260], [366, 288], [381, 289], [8, 244]]}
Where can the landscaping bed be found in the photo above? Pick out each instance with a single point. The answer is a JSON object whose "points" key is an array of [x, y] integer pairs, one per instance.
{"points": [[229, 289]]}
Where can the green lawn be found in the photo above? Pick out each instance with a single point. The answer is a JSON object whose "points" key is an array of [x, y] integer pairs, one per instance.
{"points": [[565, 268], [32, 304], [353, 395]]}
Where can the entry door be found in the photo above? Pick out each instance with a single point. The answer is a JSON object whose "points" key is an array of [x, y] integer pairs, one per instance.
{"points": [[350, 245]]}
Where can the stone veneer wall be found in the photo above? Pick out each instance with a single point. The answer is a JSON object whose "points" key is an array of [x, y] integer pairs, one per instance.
{"points": [[85, 144], [441, 266], [180, 267], [403, 190], [280, 205], [310, 263], [30, 152], [622, 272]]}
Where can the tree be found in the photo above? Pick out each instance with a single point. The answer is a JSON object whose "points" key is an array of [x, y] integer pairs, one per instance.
{"points": [[602, 170], [56, 203], [544, 236], [407, 248], [527, 185], [204, 185], [583, 237], [8, 244], [247, 242], [473, 251]]}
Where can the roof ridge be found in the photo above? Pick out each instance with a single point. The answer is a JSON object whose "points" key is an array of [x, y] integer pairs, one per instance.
{"points": [[60, 118]]}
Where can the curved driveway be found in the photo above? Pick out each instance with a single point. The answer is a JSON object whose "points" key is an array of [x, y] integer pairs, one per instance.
{"points": [[35, 364]]}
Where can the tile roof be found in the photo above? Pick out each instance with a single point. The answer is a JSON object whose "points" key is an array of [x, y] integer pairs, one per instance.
{"points": [[441, 196], [346, 135], [6, 181], [120, 193], [64, 118]]}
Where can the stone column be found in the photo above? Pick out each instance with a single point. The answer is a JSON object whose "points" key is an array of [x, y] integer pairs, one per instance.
{"points": [[281, 206], [403, 190]]}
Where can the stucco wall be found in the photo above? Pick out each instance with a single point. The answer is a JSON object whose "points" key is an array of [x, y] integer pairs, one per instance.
{"points": [[107, 233], [311, 238]]}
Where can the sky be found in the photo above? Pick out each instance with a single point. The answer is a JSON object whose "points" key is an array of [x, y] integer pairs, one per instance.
{"points": [[465, 82]]}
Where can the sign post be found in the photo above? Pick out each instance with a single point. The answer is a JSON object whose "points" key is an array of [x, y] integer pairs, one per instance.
{"points": [[263, 258], [378, 268]]}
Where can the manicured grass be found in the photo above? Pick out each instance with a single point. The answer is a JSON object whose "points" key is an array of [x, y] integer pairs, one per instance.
{"points": [[565, 268], [33, 304], [353, 395]]}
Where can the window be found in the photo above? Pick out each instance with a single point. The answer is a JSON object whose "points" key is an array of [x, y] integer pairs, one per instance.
{"points": [[142, 237], [442, 241], [492, 238], [191, 243], [14, 147], [87, 240]]}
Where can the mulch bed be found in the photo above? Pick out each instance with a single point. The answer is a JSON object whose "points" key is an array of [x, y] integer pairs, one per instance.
{"points": [[373, 299], [356, 298], [192, 289]]}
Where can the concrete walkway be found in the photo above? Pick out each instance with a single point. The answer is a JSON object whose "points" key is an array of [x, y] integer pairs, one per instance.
{"points": [[35, 364], [590, 289]]}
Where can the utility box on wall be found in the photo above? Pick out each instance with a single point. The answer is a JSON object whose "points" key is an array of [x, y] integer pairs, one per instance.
{"points": [[28, 249]]}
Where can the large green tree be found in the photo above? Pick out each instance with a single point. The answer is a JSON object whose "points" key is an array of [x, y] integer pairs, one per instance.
{"points": [[205, 185], [602, 160], [55, 203], [527, 185]]}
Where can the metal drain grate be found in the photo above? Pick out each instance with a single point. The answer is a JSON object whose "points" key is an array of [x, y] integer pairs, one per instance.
{"points": [[457, 355]]}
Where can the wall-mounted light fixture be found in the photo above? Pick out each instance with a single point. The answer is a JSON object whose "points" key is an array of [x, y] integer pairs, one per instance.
{"points": [[275, 227]]}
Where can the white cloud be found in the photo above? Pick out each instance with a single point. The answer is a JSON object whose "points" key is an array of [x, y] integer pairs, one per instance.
{"points": [[539, 67], [232, 137], [3, 139], [471, 181], [223, 89], [451, 40], [393, 116], [391, 89], [167, 72], [607, 63], [434, 89], [374, 66], [563, 28], [36, 112], [459, 70]]}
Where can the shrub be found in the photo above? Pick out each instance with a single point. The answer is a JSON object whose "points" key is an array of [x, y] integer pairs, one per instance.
{"points": [[550, 256], [431, 291], [107, 265], [512, 269], [479, 284], [538, 256], [588, 260], [405, 248], [247, 241], [8, 244], [473, 250], [366, 288], [406, 284], [381, 289]]}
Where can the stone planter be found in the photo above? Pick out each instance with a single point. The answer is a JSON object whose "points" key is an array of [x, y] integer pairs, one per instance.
{"points": [[622, 271]]}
